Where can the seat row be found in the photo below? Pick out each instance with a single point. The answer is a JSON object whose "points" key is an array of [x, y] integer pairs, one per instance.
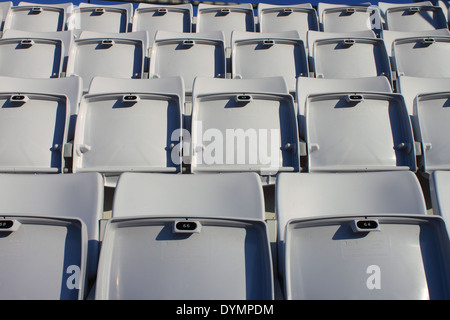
{"points": [[253, 55], [180, 18], [236, 125], [339, 236]]}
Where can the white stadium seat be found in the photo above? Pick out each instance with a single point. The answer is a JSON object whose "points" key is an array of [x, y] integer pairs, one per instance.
{"points": [[223, 244]]}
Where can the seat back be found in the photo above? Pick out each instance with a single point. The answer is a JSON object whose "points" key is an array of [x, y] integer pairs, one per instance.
{"points": [[118, 55], [281, 18], [355, 226], [129, 130], [311, 86], [253, 124], [56, 234], [155, 17], [424, 57], [259, 55], [431, 112], [188, 56], [228, 18], [222, 243], [34, 130], [348, 18], [35, 17], [102, 18], [350, 58], [370, 131]]}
